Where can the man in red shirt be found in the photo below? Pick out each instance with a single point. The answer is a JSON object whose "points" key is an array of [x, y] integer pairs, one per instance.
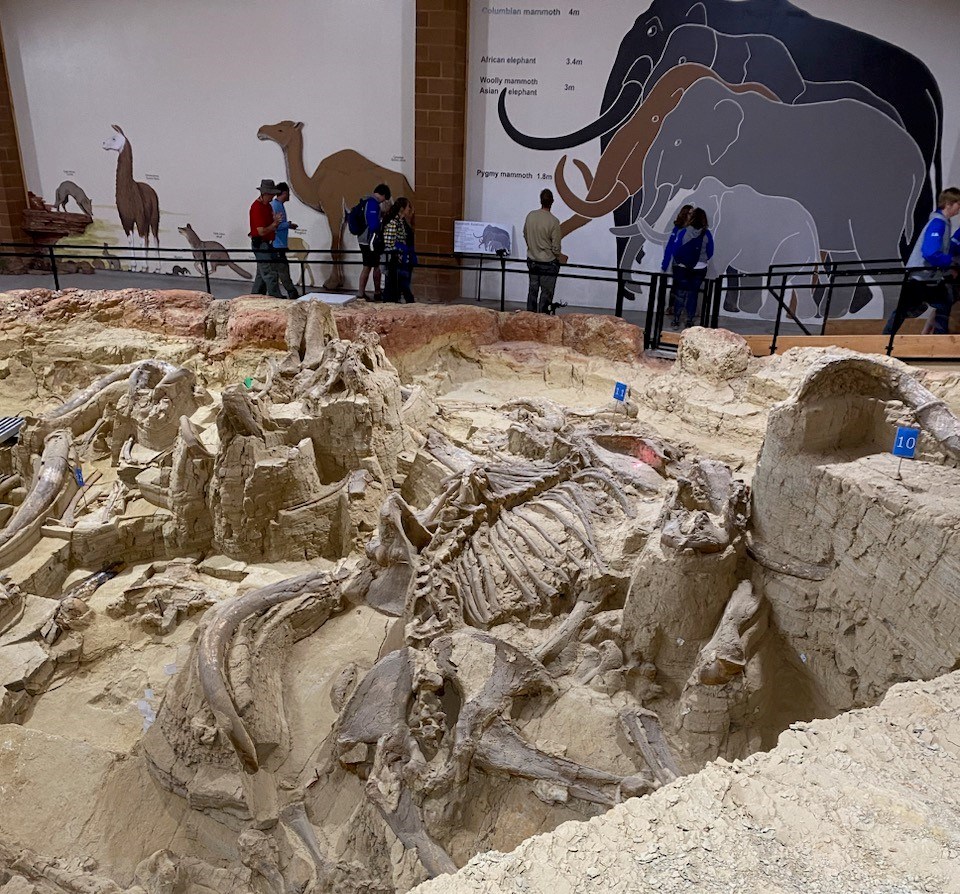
{"points": [[263, 227]]}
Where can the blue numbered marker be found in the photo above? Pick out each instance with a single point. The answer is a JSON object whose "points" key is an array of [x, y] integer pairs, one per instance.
{"points": [[620, 391], [905, 443], [78, 475]]}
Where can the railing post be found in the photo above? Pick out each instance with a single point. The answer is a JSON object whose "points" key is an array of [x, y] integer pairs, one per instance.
{"points": [[53, 267], [651, 305], [897, 316], [503, 282], [206, 269], [780, 306], [658, 313], [621, 288], [479, 274], [827, 303], [717, 303]]}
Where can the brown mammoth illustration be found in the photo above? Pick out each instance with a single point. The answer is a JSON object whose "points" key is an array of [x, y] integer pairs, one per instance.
{"points": [[620, 170], [339, 181]]}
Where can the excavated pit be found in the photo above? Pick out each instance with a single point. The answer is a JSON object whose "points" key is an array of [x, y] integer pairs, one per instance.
{"points": [[348, 599]]}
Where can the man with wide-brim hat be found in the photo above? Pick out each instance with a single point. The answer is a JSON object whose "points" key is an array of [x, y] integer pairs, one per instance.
{"points": [[263, 227]]}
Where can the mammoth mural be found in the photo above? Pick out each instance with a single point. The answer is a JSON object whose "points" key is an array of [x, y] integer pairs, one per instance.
{"points": [[620, 172], [791, 238], [775, 45]]}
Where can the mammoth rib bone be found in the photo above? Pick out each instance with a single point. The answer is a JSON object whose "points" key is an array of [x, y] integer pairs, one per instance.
{"points": [[212, 652]]}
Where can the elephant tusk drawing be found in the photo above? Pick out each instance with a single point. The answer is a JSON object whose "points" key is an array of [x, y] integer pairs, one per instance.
{"points": [[649, 233], [619, 112], [589, 207]]}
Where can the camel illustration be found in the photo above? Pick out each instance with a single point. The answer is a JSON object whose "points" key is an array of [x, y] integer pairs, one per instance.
{"points": [[217, 255], [336, 185], [69, 190], [137, 203]]}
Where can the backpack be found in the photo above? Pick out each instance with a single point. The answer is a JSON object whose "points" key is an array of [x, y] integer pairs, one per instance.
{"points": [[357, 217], [689, 254], [376, 241]]}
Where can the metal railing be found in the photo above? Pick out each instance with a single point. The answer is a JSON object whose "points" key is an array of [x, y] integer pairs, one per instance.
{"points": [[53, 259], [778, 291]]}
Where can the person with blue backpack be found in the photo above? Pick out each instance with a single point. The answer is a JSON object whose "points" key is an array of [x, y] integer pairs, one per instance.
{"points": [[364, 220], [682, 219], [692, 250]]}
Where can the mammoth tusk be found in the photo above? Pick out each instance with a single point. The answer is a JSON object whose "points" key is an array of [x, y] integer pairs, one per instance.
{"points": [[619, 111], [585, 171], [589, 208]]}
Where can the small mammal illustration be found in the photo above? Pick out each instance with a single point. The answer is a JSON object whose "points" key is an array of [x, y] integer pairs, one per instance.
{"points": [[69, 190], [177, 271], [112, 261], [217, 255]]}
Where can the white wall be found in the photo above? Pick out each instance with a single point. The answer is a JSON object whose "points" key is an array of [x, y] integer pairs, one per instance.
{"points": [[190, 83]]}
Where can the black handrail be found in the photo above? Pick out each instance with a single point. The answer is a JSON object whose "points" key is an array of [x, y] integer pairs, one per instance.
{"points": [[825, 276]]}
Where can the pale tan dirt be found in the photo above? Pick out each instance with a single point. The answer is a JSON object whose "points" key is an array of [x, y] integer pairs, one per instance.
{"points": [[866, 802]]}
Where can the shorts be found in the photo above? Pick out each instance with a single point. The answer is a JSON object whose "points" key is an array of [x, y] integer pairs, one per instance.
{"points": [[370, 258]]}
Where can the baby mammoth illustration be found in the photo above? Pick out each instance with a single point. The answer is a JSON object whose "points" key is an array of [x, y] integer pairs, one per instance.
{"points": [[751, 231]]}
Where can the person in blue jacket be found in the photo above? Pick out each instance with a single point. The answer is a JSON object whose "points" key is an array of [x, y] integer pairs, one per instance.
{"points": [[929, 265], [376, 206], [692, 250], [683, 218]]}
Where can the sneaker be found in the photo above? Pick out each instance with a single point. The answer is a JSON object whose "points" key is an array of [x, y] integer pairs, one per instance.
{"points": [[378, 296], [363, 296], [676, 323], [689, 324]]}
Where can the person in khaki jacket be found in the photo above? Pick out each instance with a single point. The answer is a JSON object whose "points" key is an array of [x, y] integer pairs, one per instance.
{"points": [[541, 232]]}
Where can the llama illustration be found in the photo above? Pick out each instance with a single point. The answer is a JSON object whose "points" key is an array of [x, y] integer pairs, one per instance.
{"points": [[137, 203], [336, 184], [69, 190], [217, 255]]}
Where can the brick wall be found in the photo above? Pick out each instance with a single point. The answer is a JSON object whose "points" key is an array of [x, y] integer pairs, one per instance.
{"points": [[13, 190], [439, 129]]}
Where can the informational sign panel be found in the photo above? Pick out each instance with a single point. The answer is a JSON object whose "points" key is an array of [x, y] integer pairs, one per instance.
{"points": [[481, 237], [620, 391]]}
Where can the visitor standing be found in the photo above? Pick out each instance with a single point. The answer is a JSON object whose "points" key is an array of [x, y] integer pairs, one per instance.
{"points": [[930, 261], [692, 250], [280, 240], [541, 232], [377, 206], [263, 227], [398, 247], [681, 221]]}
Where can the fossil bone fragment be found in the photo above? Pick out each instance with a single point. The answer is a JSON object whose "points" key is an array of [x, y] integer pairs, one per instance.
{"points": [[52, 480]]}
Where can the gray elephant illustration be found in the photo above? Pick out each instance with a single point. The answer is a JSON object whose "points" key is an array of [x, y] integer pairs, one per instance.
{"points": [[859, 179], [760, 59], [823, 52], [751, 231]]}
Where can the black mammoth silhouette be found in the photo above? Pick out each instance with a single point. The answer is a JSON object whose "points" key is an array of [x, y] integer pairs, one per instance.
{"points": [[832, 60]]}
